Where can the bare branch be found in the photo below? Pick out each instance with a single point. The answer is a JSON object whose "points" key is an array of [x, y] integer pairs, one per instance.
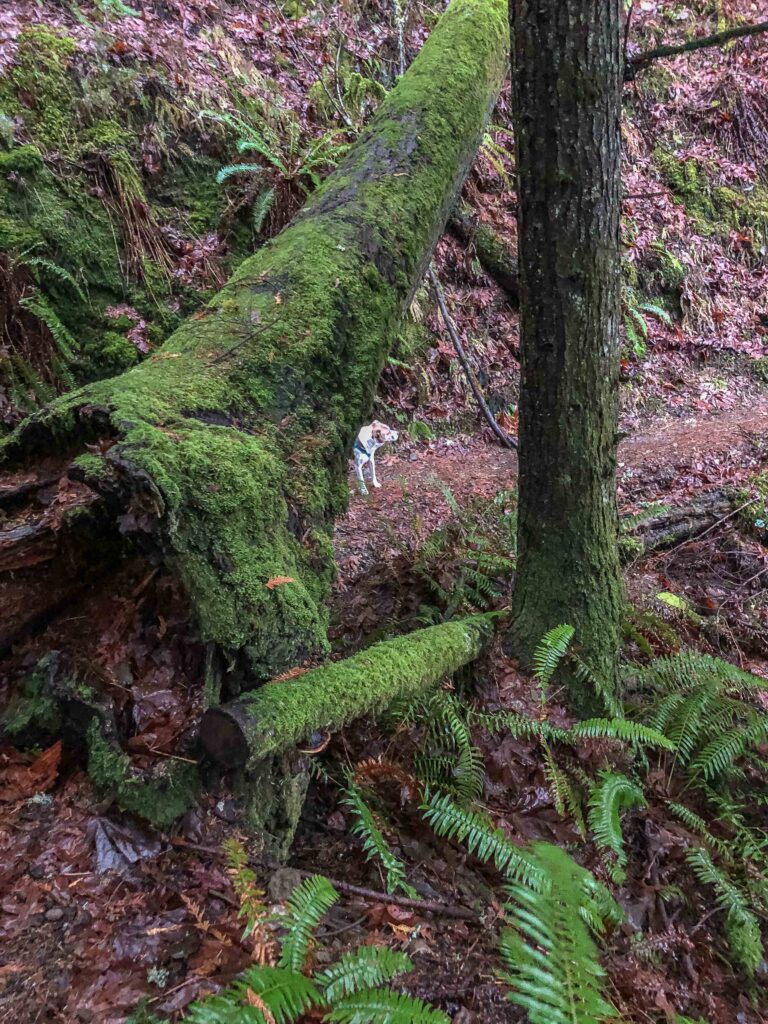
{"points": [[642, 60]]}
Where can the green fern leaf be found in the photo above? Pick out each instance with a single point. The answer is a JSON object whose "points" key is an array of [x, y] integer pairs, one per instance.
{"points": [[613, 793], [367, 967], [376, 1006], [374, 843], [232, 169], [285, 994], [620, 729], [549, 652], [552, 961], [306, 906]]}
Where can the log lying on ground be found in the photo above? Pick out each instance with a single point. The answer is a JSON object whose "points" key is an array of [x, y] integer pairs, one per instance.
{"points": [[671, 526], [279, 715], [224, 455], [493, 254]]}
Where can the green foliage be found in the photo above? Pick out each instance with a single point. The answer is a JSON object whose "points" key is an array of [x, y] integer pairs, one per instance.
{"points": [[285, 995], [366, 968], [613, 792], [348, 992], [448, 758], [465, 564], [381, 1007], [703, 708], [742, 928], [551, 958], [636, 311], [375, 845], [250, 897], [306, 906], [549, 653], [487, 843]]}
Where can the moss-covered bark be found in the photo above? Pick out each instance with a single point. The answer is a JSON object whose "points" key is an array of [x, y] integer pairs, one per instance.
{"points": [[225, 453], [567, 94], [493, 254], [279, 715]]}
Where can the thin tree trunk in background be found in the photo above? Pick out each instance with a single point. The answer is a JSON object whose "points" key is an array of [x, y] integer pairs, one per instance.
{"points": [[567, 76]]}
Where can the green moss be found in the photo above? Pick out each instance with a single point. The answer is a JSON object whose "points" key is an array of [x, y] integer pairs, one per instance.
{"points": [[39, 86], [31, 711], [160, 798], [336, 694], [759, 368], [237, 433], [715, 209], [752, 505]]}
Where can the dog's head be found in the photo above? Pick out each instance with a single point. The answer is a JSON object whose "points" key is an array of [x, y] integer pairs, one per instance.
{"points": [[382, 434]]}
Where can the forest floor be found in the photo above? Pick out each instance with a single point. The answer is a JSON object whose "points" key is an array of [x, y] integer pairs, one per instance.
{"points": [[100, 913]]}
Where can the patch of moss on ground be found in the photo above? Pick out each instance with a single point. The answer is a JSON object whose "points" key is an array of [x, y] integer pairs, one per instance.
{"points": [[66, 235], [160, 798], [715, 209]]}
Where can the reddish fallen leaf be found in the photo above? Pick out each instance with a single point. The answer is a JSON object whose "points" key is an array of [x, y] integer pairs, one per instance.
{"points": [[278, 581], [21, 781]]}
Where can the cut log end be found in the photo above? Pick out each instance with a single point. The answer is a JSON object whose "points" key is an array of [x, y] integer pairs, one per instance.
{"points": [[222, 735]]}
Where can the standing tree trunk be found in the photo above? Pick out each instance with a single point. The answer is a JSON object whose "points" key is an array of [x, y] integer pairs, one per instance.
{"points": [[567, 75]]}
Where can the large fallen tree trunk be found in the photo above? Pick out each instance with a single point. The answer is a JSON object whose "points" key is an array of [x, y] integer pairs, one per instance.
{"points": [[223, 457], [277, 716], [224, 454]]}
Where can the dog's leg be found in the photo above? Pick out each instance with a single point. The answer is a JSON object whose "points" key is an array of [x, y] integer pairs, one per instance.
{"points": [[359, 462], [374, 481]]}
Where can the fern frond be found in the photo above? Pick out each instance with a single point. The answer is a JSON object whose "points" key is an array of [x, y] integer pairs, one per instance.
{"points": [[258, 144], [519, 726], [697, 824], [285, 994], [719, 755], [741, 926], [38, 305], [549, 652], [366, 967], [481, 839], [552, 961], [613, 793], [306, 905], [374, 843], [377, 1006], [261, 208], [232, 169], [55, 270], [620, 729]]}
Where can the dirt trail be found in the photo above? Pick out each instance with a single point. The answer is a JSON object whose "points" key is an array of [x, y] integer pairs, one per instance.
{"points": [[672, 458]]}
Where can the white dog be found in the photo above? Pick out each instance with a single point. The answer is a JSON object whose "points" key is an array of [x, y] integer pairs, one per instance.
{"points": [[367, 443]]}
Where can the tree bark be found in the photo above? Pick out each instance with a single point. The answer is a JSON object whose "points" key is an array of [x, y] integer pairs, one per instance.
{"points": [[224, 455], [567, 74]]}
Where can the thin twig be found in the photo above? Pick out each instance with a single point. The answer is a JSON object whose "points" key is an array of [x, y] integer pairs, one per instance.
{"points": [[509, 442], [641, 60], [426, 906], [251, 334]]}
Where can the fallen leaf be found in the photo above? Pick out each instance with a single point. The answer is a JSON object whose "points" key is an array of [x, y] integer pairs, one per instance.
{"points": [[278, 581]]}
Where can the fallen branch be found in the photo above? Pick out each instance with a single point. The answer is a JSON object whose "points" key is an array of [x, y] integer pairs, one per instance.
{"points": [[642, 60], [505, 439], [280, 715], [425, 906]]}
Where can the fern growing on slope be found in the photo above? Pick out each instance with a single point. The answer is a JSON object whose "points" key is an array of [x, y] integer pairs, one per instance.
{"points": [[375, 845]]}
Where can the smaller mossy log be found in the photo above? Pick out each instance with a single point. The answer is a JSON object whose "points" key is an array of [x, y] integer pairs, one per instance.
{"points": [[280, 715], [493, 254]]}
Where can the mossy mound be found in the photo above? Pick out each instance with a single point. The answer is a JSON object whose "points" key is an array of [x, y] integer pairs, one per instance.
{"points": [[715, 209], [101, 201]]}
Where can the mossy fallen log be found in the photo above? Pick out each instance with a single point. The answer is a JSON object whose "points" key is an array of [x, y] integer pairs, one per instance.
{"points": [[493, 254], [277, 716], [224, 454]]}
